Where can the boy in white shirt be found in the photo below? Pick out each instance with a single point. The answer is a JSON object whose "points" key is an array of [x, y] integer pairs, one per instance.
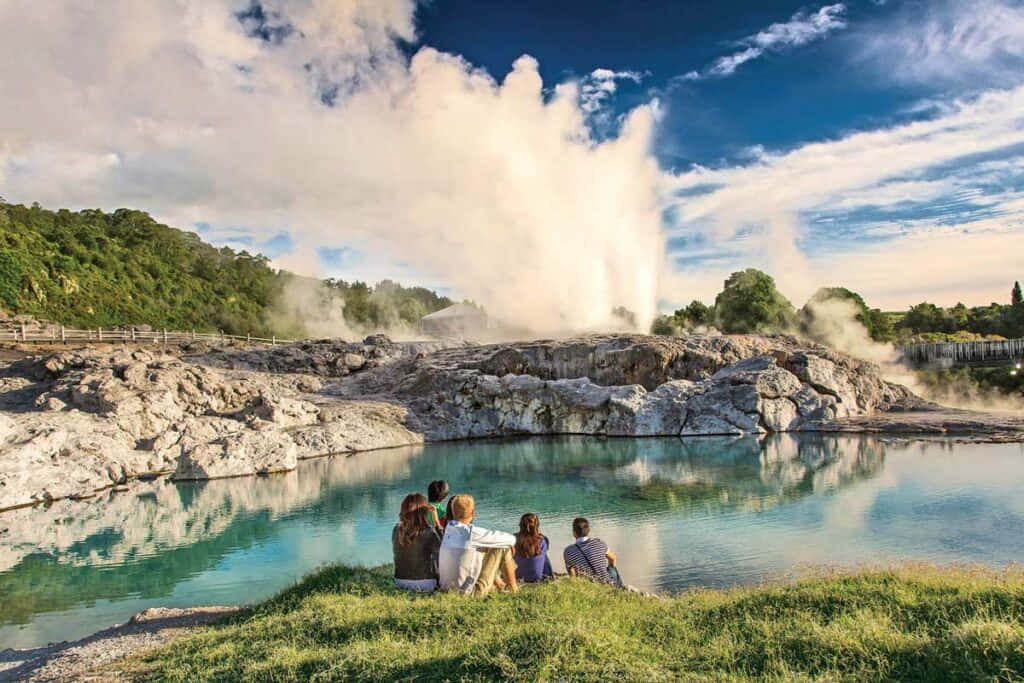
{"points": [[471, 556]]}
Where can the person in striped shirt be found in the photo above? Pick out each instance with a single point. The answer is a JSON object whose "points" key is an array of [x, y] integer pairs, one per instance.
{"points": [[590, 557]]}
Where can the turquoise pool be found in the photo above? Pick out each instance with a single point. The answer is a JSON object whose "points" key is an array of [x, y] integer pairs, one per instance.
{"points": [[679, 512]]}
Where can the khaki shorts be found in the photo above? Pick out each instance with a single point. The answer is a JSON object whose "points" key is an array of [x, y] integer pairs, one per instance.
{"points": [[494, 560]]}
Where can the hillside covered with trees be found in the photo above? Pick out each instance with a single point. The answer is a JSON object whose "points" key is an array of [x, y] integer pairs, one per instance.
{"points": [[750, 302], [92, 269]]}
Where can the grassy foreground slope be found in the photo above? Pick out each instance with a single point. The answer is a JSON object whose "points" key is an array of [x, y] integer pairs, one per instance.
{"points": [[350, 624]]}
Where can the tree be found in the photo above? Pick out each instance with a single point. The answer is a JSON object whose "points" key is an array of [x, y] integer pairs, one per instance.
{"points": [[880, 326], [826, 295], [749, 302], [90, 268], [876, 322], [663, 324], [1016, 298], [958, 316], [11, 277], [696, 313], [927, 317]]}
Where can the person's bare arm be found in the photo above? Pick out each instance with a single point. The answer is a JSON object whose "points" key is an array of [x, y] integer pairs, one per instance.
{"points": [[611, 558]]}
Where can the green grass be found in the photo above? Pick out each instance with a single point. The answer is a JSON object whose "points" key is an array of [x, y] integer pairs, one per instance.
{"points": [[914, 623]]}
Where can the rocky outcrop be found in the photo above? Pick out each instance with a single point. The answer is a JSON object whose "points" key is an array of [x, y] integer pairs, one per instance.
{"points": [[242, 453], [322, 357], [73, 423], [43, 459], [631, 386]]}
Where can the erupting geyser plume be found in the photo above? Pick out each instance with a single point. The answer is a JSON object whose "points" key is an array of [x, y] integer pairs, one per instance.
{"points": [[305, 117]]}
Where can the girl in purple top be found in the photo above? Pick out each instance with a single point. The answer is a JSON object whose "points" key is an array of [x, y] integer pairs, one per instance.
{"points": [[531, 553]]}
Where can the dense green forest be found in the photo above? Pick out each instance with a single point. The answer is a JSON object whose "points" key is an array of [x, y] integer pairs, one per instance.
{"points": [[91, 269], [750, 302]]}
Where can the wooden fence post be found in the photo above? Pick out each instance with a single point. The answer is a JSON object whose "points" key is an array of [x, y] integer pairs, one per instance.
{"points": [[99, 333], [248, 338], [23, 337], [133, 334], [63, 335], [165, 336], [273, 340]]}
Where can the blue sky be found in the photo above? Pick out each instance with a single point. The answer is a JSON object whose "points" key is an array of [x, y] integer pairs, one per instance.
{"points": [[779, 100], [549, 159], [827, 87]]}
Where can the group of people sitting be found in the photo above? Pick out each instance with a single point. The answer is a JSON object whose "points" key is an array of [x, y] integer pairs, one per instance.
{"points": [[437, 546]]}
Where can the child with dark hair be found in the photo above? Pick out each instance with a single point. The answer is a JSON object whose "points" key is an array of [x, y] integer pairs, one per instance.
{"points": [[437, 491]]}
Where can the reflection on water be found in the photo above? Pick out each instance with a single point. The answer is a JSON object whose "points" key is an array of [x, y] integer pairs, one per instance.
{"points": [[703, 511]]}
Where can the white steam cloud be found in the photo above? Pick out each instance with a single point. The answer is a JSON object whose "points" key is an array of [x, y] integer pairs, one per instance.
{"points": [[834, 322], [207, 110]]}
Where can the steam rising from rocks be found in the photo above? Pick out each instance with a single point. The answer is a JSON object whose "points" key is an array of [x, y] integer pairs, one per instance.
{"points": [[310, 120], [308, 308], [835, 323]]}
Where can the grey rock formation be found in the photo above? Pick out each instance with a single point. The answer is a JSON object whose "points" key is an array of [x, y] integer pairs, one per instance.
{"points": [[74, 423], [631, 385], [321, 357], [239, 454], [352, 426]]}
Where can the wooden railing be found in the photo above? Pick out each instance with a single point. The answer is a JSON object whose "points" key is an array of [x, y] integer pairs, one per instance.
{"points": [[965, 353], [67, 335]]}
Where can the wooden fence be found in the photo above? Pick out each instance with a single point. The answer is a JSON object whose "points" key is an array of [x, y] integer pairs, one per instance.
{"points": [[965, 353], [66, 335]]}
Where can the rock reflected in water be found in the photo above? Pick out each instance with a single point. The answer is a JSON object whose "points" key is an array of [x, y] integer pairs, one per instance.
{"points": [[681, 512]]}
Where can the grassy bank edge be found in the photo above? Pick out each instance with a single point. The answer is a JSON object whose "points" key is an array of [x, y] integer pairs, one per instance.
{"points": [[913, 622]]}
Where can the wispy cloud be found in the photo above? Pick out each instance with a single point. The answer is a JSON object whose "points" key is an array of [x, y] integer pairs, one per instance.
{"points": [[801, 29], [975, 42], [596, 90], [934, 188]]}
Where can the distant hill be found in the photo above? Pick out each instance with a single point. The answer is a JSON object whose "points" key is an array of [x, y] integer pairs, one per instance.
{"points": [[91, 269]]}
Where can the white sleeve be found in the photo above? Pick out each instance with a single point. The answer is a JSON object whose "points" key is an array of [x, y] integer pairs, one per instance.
{"points": [[485, 538]]}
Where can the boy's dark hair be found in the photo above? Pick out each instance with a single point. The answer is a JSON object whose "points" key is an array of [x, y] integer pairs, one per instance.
{"points": [[437, 491], [580, 527]]}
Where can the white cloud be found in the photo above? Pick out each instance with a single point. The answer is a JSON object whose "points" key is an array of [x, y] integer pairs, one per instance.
{"points": [[597, 87], [770, 198], [801, 29], [494, 187], [967, 42]]}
